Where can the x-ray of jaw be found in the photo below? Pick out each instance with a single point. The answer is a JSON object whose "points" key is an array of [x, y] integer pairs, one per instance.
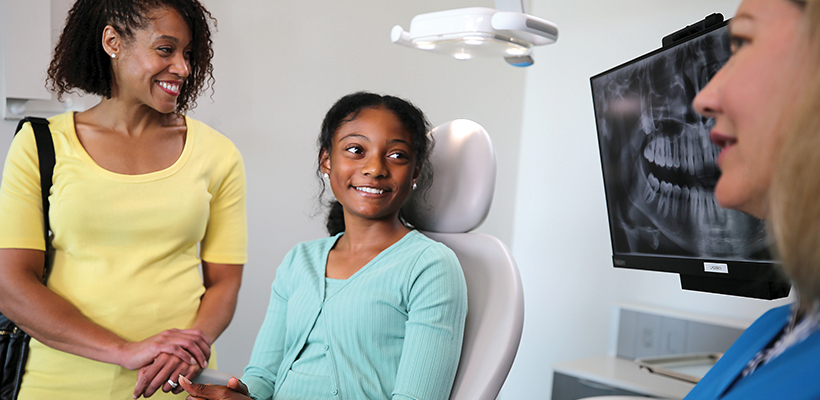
{"points": [[660, 166]]}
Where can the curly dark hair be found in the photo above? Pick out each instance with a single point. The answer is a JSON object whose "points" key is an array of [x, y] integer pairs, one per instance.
{"points": [[80, 62], [347, 109]]}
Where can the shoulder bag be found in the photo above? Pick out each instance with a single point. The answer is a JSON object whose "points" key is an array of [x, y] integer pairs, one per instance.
{"points": [[13, 341]]}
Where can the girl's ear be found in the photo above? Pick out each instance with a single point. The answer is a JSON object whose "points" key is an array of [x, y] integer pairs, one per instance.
{"points": [[111, 41], [324, 163]]}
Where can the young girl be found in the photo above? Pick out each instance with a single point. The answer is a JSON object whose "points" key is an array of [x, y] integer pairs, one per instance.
{"points": [[377, 310]]}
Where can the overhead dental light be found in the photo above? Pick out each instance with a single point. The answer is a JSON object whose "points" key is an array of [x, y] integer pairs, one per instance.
{"points": [[467, 33]]}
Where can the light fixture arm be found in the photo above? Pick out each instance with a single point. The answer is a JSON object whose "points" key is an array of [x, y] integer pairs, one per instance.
{"points": [[399, 36], [540, 31], [510, 5]]}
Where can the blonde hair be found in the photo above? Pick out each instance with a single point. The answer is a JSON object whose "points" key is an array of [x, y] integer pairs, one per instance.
{"points": [[794, 197]]}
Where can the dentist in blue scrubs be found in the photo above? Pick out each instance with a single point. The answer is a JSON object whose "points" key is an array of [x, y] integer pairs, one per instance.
{"points": [[766, 106]]}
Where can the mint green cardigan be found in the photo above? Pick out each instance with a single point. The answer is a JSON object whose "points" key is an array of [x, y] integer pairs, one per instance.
{"points": [[393, 331]]}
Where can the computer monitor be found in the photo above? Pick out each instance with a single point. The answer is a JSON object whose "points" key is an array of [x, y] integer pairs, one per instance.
{"points": [[660, 170]]}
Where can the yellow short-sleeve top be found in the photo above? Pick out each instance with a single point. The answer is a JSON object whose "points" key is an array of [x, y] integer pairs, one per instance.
{"points": [[127, 247]]}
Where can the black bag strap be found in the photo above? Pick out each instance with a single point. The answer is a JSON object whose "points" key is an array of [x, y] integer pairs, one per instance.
{"points": [[45, 152], [15, 359]]}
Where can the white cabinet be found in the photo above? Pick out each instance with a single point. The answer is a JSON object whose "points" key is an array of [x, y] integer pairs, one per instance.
{"points": [[28, 29], [26, 52]]}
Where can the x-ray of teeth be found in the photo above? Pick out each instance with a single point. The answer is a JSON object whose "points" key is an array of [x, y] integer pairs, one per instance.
{"points": [[660, 168]]}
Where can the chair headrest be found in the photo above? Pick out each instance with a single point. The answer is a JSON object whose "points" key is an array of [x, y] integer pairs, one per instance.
{"points": [[464, 169]]}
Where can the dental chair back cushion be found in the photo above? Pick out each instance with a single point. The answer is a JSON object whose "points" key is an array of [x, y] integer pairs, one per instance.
{"points": [[464, 169]]}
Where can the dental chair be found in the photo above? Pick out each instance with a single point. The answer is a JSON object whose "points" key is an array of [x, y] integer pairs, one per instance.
{"points": [[458, 200]]}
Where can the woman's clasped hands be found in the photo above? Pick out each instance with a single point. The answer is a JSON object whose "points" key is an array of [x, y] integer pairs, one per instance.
{"points": [[164, 357]]}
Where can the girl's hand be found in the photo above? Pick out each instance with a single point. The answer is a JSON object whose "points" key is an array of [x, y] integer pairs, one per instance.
{"points": [[235, 390]]}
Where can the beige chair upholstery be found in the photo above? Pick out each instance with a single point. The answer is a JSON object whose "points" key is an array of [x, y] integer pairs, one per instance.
{"points": [[464, 171]]}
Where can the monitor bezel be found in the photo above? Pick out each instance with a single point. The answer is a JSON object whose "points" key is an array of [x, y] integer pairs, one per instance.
{"points": [[763, 279]]}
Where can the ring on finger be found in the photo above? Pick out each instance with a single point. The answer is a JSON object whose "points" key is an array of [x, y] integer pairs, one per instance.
{"points": [[173, 384]]}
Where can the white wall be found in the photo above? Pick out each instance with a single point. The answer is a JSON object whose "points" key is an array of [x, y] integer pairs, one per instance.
{"points": [[561, 238]]}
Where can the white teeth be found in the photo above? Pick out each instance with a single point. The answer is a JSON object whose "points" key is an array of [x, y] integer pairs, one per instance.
{"points": [[669, 199], [652, 189], [669, 153], [370, 190], [665, 199], [660, 151], [675, 201], [694, 203], [693, 154], [649, 151], [691, 160], [173, 88], [711, 155], [676, 154]]}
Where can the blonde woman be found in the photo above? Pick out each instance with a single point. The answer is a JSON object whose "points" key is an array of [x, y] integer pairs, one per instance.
{"points": [[765, 103]]}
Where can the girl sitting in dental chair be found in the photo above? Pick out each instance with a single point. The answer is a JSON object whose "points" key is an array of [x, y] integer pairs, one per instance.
{"points": [[376, 310]]}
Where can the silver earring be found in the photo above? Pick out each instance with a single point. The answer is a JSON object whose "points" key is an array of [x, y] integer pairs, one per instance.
{"points": [[415, 186], [113, 55], [326, 176]]}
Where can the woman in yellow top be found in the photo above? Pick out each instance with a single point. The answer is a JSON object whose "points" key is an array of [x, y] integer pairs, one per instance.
{"points": [[141, 197]]}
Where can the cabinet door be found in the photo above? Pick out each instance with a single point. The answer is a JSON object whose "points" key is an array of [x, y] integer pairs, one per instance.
{"points": [[26, 36]]}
